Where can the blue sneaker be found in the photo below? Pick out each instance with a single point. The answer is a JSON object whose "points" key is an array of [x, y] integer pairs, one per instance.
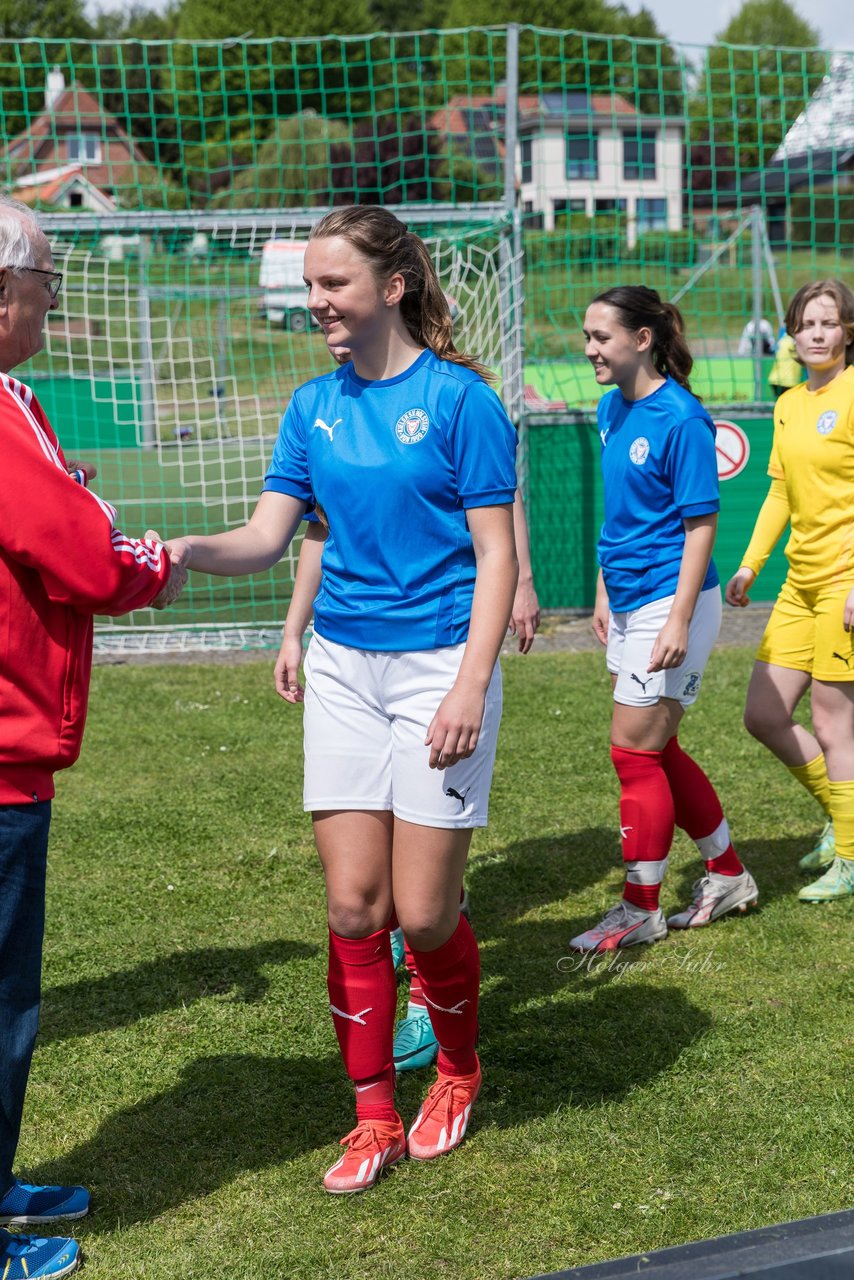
{"points": [[415, 1043], [24, 1205], [28, 1257], [397, 953]]}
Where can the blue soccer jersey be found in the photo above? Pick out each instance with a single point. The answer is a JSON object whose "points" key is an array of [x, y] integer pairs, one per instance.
{"points": [[658, 468], [395, 464]]}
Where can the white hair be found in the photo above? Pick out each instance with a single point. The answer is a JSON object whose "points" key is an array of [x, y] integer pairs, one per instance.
{"points": [[19, 227]]}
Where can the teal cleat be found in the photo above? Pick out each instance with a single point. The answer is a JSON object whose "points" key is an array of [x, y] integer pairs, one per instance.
{"points": [[415, 1043], [396, 947], [837, 882], [823, 853]]}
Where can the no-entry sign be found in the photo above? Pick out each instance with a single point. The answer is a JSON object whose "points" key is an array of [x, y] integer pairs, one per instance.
{"points": [[732, 448]]}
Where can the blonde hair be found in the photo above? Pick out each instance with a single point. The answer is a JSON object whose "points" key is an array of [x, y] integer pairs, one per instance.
{"points": [[390, 249]]}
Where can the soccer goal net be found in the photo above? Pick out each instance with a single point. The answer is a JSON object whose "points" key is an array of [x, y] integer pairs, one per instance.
{"points": [[179, 342]]}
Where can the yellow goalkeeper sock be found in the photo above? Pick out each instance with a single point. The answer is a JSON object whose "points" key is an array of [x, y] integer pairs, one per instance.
{"points": [[842, 816], [813, 776]]}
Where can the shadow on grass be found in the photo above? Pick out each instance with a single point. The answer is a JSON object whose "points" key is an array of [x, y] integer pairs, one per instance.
{"points": [[226, 1115], [169, 982], [533, 873], [772, 863], [545, 1047]]}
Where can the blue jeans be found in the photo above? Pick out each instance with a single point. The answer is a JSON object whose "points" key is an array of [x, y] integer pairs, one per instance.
{"points": [[23, 866]]}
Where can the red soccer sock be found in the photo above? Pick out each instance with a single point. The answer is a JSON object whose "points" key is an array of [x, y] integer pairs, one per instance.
{"points": [[363, 999], [698, 810], [416, 995], [450, 979], [646, 823]]}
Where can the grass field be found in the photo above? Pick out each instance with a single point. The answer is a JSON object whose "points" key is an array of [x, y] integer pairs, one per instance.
{"points": [[187, 1069]]}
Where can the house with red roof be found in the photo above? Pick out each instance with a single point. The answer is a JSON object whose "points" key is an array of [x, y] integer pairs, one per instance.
{"points": [[578, 153], [73, 155]]}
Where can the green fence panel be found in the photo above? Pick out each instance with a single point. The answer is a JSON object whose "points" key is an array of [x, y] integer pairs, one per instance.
{"points": [[90, 414], [565, 509]]}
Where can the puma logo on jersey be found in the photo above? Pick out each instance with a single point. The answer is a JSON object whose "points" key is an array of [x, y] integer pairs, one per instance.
{"points": [[457, 1008], [353, 1017], [642, 683], [450, 791], [842, 658], [324, 426], [624, 832]]}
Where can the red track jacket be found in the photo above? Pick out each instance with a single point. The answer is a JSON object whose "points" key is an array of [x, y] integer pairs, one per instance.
{"points": [[61, 561]]}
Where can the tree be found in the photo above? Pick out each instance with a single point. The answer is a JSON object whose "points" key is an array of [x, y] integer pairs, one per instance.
{"points": [[578, 46], [230, 95], [292, 167], [399, 160], [46, 19], [747, 98]]}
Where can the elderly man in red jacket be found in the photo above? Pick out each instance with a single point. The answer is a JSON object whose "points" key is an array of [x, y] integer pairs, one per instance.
{"points": [[62, 560]]}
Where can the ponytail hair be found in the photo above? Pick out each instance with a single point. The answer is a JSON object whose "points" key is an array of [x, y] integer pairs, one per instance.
{"points": [[391, 250], [642, 308]]}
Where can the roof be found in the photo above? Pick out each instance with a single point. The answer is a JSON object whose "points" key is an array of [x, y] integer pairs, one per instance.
{"points": [[787, 174], [827, 121], [74, 111], [484, 113], [49, 186]]}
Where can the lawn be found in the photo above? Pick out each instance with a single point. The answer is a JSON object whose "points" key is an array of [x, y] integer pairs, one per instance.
{"points": [[187, 1069]]}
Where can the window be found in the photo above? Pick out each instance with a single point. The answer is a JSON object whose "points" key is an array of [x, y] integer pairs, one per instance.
{"points": [[75, 199], [564, 209], [85, 147], [652, 215], [527, 160], [582, 155], [639, 155], [610, 206], [533, 219]]}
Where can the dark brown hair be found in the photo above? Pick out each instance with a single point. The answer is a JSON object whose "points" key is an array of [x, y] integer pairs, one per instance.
{"points": [[841, 295], [642, 308], [390, 249]]}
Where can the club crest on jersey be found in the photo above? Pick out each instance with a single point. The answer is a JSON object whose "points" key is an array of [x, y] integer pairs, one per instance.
{"points": [[692, 684], [826, 422], [412, 426], [639, 451]]}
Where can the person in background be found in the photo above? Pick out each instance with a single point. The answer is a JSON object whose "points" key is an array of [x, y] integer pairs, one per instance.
{"points": [[808, 643], [62, 560], [657, 611], [787, 370], [747, 341]]}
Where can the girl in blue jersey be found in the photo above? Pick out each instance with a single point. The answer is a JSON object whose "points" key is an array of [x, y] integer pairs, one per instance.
{"points": [[411, 458], [658, 609]]}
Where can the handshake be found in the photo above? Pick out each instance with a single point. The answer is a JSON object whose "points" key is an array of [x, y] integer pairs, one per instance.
{"points": [[179, 552]]}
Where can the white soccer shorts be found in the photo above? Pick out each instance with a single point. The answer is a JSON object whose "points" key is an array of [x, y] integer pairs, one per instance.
{"points": [[366, 717], [631, 637]]}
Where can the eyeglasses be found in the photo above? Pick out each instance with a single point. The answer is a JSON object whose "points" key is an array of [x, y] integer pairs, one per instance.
{"points": [[53, 282]]}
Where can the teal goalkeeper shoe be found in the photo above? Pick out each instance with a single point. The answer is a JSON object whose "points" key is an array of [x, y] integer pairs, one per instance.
{"points": [[823, 853], [415, 1043], [837, 882], [397, 952], [32, 1257]]}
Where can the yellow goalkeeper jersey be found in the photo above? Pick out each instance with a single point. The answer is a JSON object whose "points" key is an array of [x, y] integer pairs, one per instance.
{"points": [[813, 452]]}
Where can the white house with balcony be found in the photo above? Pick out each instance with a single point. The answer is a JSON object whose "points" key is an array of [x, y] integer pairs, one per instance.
{"points": [[593, 154]]}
